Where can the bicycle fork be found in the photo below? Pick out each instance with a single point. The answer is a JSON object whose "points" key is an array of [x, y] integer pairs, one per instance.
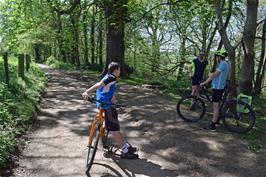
{"points": [[93, 126]]}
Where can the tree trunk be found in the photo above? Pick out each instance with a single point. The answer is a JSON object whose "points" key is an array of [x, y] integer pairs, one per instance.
{"points": [[37, 54], [182, 58], [75, 51], [224, 37], [208, 48], [6, 71], [27, 62], [21, 65], [86, 51], [115, 12], [247, 72], [93, 37], [261, 67], [101, 41], [155, 54], [60, 39]]}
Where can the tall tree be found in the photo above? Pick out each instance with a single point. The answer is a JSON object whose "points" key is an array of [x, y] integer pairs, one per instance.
{"points": [[93, 35], [247, 72], [60, 8], [85, 32], [115, 13], [224, 37], [74, 18], [100, 39], [262, 63]]}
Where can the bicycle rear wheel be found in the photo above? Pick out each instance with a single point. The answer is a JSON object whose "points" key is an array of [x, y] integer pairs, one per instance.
{"points": [[236, 120], [190, 108], [92, 147]]}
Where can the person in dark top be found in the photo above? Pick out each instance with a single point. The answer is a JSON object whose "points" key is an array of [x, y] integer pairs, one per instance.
{"points": [[105, 92], [199, 66]]}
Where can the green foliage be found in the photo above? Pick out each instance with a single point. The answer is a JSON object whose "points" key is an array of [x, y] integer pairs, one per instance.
{"points": [[21, 27], [52, 61], [17, 105], [7, 144], [257, 137]]}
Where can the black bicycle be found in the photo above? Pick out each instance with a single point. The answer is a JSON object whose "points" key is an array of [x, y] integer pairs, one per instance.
{"points": [[237, 116]]}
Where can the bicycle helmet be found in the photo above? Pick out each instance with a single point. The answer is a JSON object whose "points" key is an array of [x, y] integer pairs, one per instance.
{"points": [[221, 53]]}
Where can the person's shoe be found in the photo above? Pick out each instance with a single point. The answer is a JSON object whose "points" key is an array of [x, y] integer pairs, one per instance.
{"points": [[132, 149], [210, 127], [129, 156]]}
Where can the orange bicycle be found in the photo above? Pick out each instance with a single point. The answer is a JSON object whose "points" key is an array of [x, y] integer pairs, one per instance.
{"points": [[98, 131]]}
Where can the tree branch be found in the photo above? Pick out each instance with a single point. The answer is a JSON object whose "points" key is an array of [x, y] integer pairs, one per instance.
{"points": [[259, 37], [144, 15], [64, 11]]}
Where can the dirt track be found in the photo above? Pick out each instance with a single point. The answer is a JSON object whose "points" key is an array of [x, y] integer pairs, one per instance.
{"points": [[56, 143]]}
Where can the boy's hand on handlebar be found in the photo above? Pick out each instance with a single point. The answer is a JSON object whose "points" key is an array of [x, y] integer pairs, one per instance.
{"points": [[85, 95]]}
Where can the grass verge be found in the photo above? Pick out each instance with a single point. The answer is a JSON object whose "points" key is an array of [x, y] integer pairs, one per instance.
{"points": [[18, 102]]}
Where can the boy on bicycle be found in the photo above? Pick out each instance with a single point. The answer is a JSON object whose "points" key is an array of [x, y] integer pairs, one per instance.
{"points": [[218, 79], [105, 90]]}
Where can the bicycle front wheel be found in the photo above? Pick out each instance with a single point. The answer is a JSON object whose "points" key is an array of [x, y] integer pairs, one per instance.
{"points": [[238, 116], [190, 108], [92, 147]]}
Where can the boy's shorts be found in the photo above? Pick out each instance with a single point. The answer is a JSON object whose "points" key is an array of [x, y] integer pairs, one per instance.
{"points": [[217, 95], [111, 119]]}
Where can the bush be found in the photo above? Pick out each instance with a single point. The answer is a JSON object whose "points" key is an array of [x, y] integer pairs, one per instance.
{"points": [[52, 61], [17, 106]]}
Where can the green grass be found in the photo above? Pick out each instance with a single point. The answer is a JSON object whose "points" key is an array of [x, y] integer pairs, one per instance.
{"points": [[257, 137], [17, 105]]}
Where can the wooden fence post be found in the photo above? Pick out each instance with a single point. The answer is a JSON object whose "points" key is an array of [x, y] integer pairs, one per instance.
{"points": [[27, 62], [6, 75], [21, 65]]}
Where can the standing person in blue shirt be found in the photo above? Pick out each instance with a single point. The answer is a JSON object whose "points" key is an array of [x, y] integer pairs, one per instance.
{"points": [[218, 79], [199, 66], [105, 92]]}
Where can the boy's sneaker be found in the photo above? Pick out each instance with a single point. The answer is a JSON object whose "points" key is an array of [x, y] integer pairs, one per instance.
{"points": [[210, 127], [129, 155], [132, 149]]}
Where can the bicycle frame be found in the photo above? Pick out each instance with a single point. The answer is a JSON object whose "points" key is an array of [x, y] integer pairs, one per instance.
{"points": [[204, 94], [207, 94], [98, 120], [98, 131]]}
